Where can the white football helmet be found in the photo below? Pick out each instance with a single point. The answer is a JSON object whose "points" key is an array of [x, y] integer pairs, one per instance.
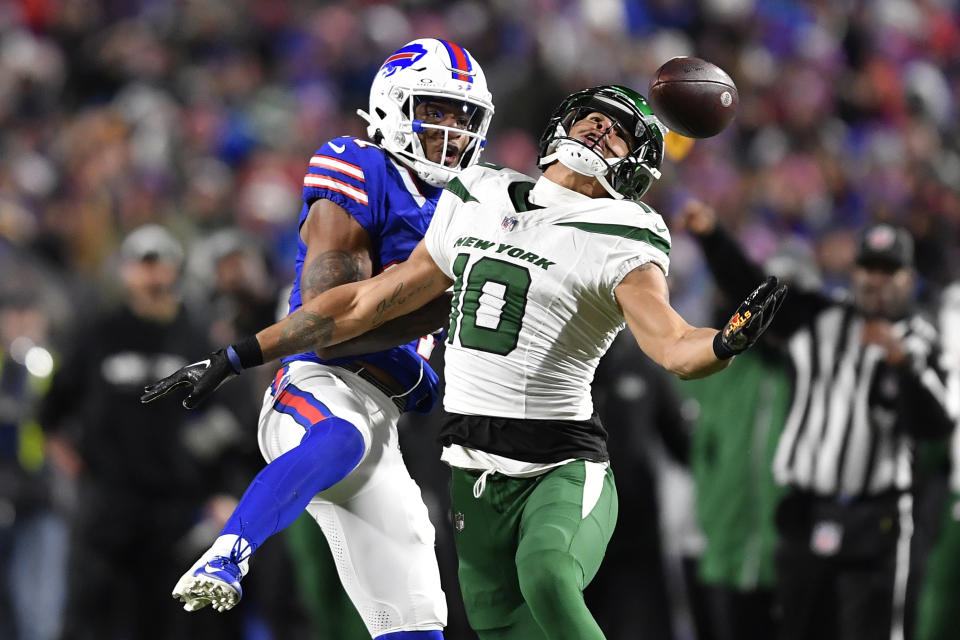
{"points": [[423, 69]]}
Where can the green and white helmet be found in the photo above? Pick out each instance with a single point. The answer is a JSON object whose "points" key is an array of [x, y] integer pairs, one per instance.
{"points": [[628, 177]]}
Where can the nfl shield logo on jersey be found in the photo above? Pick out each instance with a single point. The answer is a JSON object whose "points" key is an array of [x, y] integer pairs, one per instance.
{"points": [[458, 521], [508, 223]]}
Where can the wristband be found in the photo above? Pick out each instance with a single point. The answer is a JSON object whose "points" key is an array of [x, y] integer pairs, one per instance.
{"points": [[721, 350], [245, 354]]}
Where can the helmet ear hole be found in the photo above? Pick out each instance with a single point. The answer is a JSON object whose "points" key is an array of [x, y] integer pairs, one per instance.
{"points": [[380, 113]]}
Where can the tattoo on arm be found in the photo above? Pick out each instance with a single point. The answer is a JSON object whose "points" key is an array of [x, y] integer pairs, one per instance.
{"points": [[306, 331], [327, 270], [398, 297]]}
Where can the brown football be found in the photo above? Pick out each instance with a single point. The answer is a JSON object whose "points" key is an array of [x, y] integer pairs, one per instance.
{"points": [[693, 97]]}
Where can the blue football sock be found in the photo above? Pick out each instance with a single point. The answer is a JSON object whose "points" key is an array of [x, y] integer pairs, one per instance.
{"points": [[329, 451]]}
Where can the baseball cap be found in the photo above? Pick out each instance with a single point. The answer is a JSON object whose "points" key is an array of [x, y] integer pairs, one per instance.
{"points": [[884, 245], [151, 242]]}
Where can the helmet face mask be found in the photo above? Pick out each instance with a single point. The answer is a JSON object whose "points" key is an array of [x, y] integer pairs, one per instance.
{"points": [[628, 177], [425, 73]]}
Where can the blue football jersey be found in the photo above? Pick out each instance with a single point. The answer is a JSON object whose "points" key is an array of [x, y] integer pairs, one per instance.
{"points": [[395, 210]]}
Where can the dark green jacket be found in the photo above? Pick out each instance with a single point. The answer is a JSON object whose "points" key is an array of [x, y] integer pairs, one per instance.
{"points": [[741, 413]]}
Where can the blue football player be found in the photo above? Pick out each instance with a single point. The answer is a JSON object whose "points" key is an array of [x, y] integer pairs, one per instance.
{"points": [[328, 426]]}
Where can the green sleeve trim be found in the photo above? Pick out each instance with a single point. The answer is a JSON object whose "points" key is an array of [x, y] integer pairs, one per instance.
{"points": [[622, 231], [456, 188]]}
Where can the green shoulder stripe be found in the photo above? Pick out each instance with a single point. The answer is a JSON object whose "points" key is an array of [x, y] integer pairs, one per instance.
{"points": [[623, 231], [456, 188], [645, 207]]}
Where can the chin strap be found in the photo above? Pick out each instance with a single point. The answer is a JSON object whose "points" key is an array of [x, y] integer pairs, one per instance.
{"points": [[616, 195], [601, 178]]}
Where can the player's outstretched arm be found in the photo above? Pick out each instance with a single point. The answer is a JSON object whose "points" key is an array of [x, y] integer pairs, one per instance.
{"points": [[429, 318], [350, 310], [334, 316], [687, 351]]}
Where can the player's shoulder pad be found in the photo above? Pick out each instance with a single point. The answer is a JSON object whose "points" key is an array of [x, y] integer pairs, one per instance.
{"points": [[481, 176], [634, 211], [637, 221], [352, 150]]}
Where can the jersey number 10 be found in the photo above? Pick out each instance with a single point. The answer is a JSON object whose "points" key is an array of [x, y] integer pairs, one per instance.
{"points": [[488, 305]]}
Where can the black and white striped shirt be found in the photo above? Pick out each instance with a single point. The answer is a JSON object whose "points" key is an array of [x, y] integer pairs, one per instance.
{"points": [[854, 417]]}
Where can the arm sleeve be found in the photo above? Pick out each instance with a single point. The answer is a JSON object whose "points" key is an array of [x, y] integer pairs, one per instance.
{"points": [[350, 173], [926, 406], [649, 241]]}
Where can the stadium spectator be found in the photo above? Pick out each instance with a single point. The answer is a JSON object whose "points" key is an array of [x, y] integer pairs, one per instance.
{"points": [[868, 380], [144, 487], [33, 530]]}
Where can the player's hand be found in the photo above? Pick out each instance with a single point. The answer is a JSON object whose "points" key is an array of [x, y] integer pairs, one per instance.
{"points": [[200, 379], [697, 217], [879, 331], [751, 319]]}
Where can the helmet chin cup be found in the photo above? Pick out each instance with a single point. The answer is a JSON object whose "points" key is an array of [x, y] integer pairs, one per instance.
{"points": [[578, 157]]}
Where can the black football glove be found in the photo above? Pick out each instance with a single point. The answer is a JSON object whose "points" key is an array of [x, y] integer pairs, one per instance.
{"points": [[200, 378], [751, 319]]}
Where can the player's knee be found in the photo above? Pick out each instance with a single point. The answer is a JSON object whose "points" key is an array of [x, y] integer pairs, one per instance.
{"points": [[548, 578], [336, 435]]}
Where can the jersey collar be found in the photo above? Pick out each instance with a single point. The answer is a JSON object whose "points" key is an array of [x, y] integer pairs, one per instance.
{"points": [[547, 193]]}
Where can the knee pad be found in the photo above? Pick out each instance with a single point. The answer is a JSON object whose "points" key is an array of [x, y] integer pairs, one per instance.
{"points": [[336, 442]]}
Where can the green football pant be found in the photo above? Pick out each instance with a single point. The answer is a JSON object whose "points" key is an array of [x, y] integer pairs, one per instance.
{"points": [[936, 616], [527, 550]]}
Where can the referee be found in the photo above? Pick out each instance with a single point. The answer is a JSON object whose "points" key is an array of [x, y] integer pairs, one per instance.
{"points": [[869, 378]]}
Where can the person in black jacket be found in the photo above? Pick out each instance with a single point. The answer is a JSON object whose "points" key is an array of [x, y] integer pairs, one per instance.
{"points": [[868, 380], [145, 481]]}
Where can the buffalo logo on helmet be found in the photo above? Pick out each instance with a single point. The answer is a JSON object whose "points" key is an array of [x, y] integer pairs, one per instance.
{"points": [[403, 58]]}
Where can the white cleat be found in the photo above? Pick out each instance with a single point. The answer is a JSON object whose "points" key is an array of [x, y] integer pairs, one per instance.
{"points": [[215, 583]]}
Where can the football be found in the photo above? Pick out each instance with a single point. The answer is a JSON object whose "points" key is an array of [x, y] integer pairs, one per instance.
{"points": [[693, 97]]}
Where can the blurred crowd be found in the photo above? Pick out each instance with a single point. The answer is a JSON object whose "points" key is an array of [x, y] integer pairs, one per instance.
{"points": [[200, 117]]}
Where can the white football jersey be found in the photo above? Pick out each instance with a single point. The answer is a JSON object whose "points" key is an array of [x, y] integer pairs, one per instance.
{"points": [[534, 267]]}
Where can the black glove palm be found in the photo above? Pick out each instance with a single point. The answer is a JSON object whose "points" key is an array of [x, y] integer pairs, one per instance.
{"points": [[751, 319], [201, 379]]}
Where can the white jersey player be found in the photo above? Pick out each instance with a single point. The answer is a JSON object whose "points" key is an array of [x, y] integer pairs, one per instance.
{"points": [[544, 274]]}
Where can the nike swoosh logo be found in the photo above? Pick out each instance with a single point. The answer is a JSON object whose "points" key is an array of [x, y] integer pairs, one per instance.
{"points": [[339, 148], [659, 228]]}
